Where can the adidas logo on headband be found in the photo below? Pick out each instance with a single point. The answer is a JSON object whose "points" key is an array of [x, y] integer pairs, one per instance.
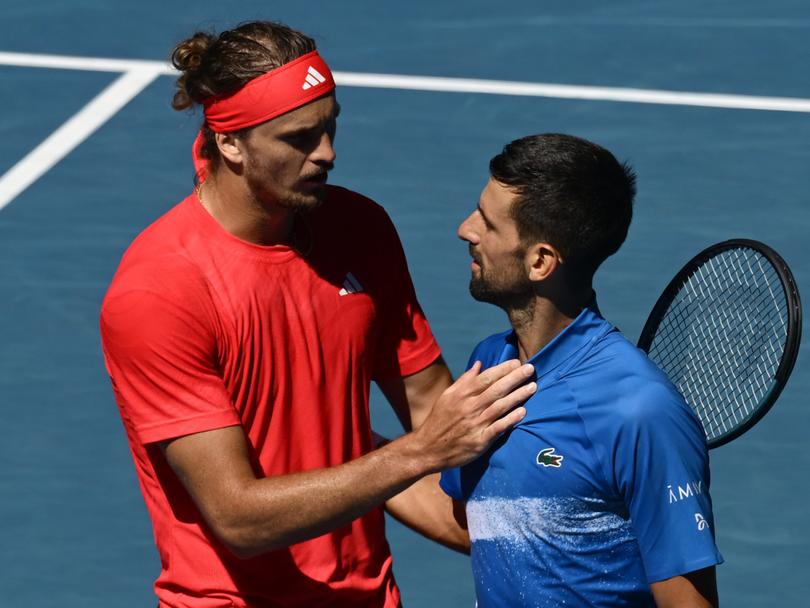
{"points": [[313, 79]]}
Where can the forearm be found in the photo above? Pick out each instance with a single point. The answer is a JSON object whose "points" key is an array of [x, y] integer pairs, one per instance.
{"points": [[696, 589], [425, 508], [254, 515]]}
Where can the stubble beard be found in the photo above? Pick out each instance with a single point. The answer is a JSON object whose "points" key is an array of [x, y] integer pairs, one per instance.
{"points": [[511, 291], [257, 182], [295, 201], [302, 202]]}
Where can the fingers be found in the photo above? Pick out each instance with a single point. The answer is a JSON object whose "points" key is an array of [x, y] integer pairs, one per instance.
{"points": [[505, 395], [508, 402], [507, 382], [501, 425], [470, 374], [490, 376]]}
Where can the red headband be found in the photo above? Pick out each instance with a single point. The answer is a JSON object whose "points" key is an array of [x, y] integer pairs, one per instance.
{"points": [[272, 94]]}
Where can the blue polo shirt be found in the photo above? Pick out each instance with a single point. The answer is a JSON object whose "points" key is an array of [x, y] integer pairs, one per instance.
{"points": [[602, 489]]}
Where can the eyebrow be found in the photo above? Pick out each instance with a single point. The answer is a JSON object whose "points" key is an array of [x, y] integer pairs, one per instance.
{"points": [[308, 127], [299, 129]]}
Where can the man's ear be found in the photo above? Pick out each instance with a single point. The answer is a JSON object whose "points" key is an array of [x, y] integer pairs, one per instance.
{"points": [[542, 260], [230, 147]]}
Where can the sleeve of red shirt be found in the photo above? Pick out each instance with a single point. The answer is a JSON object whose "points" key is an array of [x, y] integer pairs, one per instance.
{"points": [[160, 351], [406, 344]]}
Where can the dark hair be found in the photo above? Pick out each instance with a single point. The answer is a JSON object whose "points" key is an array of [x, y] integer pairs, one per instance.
{"points": [[572, 194], [213, 65]]}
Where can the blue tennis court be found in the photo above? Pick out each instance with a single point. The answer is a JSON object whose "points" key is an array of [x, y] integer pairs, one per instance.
{"points": [[709, 102]]}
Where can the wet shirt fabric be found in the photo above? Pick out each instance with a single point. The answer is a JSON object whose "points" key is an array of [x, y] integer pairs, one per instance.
{"points": [[602, 489], [202, 331]]}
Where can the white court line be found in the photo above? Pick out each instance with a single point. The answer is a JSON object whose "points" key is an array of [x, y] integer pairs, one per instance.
{"points": [[90, 64], [139, 73], [73, 132], [455, 85], [564, 91]]}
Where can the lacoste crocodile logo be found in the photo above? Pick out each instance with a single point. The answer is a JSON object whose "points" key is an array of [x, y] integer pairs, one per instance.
{"points": [[548, 458]]}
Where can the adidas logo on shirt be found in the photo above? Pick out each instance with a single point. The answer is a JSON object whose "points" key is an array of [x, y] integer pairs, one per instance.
{"points": [[313, 79], [350, 285]]}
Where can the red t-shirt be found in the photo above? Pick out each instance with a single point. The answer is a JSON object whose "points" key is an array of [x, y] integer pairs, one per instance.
{"points": [[202, 330]]}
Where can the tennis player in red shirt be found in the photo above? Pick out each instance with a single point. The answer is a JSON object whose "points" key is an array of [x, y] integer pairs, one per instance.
{"points": [[241, 333]]}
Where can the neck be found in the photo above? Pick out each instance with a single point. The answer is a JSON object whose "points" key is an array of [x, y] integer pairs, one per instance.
{"points": [[234, 207], [543, 318]]}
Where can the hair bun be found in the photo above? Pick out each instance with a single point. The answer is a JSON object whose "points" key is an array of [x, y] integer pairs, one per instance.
{"points": [[187, 55]]}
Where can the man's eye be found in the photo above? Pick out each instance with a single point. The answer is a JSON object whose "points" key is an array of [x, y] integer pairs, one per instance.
{"points": [[295, 137]]}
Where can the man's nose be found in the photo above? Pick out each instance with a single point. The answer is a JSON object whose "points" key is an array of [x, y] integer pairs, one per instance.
{"points": [[466, 231], [324, 153]]}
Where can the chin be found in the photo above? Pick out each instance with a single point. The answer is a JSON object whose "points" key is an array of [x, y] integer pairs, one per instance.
{"points": [[309, 200], [480, 291]]}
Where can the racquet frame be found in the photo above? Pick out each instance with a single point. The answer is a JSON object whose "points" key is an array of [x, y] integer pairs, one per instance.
{"points": [[794, 323]]}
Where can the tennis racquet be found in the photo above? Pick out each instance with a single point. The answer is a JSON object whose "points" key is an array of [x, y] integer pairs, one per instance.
{"points": [[726, 330]]}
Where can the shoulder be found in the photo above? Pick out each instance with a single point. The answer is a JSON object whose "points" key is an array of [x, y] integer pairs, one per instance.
{"points": [[619, 381], [158, 267], [633, 373], [162, 242], [144, 310], [163, 251]]}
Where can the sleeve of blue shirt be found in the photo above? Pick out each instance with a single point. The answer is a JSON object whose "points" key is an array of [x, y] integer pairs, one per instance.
{"points": [[656, 456]]}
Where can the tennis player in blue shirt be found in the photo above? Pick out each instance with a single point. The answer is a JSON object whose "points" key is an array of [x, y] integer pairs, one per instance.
{"points": [[600, 495]]}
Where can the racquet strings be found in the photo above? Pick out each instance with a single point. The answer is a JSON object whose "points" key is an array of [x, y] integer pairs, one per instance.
{"points": [[721, 339]]}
